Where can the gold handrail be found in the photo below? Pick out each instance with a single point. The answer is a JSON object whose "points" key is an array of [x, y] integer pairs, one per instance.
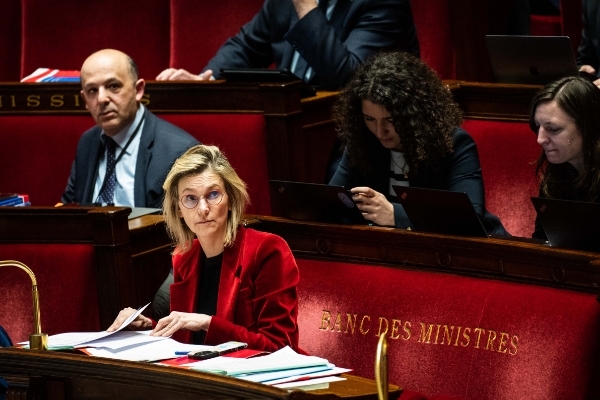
{"points": [[381, 368], [37, 340]]}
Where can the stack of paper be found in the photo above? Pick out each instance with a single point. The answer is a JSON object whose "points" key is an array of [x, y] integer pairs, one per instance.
{"points": [[284, 368]]}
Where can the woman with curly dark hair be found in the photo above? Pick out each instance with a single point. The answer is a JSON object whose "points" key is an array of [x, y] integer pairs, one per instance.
{"points": [[400, 126], [565, 115]]}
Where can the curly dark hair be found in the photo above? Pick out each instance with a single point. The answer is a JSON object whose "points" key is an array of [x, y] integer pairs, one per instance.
{"points": [[422, 109], [580, 99]]}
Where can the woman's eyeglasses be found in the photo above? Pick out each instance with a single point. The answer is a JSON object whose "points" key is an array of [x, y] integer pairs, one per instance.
{"points": [[214, 197]]}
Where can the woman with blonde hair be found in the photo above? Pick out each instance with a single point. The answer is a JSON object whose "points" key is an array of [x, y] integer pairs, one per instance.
{"points": [[230, 282]]}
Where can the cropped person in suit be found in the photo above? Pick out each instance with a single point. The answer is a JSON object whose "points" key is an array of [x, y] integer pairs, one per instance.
{"points": [[588, 53], [565, 117], [400, 126], [230, 282], [321, 41], [136, 147]]}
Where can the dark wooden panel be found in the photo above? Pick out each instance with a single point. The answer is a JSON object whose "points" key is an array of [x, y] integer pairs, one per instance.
{"points": [[521, 260], [59, 375]]}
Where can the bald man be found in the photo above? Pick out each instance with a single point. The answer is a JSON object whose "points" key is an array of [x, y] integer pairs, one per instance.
{"points": [[125, 158]]}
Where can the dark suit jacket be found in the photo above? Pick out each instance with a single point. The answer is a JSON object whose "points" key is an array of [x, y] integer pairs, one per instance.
{"points": [[589, 49], [161, 144], [458, 172], [334, 48], [257, 301]]}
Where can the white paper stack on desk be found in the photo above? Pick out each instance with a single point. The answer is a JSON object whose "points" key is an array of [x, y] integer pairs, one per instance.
{"points": [[284, 369]]}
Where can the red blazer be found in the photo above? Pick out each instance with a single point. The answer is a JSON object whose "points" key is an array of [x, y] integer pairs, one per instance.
{"points": [[257, 301]]}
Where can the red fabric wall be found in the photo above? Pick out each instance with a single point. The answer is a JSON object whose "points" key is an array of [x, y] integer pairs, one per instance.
{"points": [[242, 138], [10, 44], [507, 152], [549, 348], [62, 34], [36, 154], [67, 285], [197, 31]]}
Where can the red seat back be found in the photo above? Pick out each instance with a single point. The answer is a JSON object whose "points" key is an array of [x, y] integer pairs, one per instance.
{"points": [[37, 154], [62, 34], [435, 36], [507, 152], [67, 285], [197, 32], [451, 335], [242, 139], [10, 46]]}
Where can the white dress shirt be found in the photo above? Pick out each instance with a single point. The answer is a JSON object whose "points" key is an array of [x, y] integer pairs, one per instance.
{"points": [[125, 168]]}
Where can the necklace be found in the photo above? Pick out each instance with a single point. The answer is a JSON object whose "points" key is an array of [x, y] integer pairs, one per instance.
{"points": [[402, 168]]}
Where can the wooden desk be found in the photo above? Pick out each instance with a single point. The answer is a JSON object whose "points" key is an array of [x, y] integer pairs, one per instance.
{"points": [[132, 257], [514, 260], [55, 375]]}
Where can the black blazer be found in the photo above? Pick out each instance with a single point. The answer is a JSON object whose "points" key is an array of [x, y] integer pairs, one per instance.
{"points": [[458, 172], [589, 49], [334, 48], [161, 144]]}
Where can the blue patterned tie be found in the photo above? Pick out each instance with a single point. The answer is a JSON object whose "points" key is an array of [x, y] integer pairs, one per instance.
{"points": [[110, 178]]}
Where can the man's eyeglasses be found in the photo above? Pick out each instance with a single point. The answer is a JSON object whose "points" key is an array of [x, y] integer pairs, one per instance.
{"points": [[214, 197]]}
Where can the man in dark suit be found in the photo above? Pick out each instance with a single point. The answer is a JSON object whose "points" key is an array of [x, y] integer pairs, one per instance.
{"points": [[588, 54], [322, 43], [125, 158]]}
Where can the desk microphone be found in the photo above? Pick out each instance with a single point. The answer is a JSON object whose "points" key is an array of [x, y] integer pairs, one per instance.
{"points": [[37, 340]]}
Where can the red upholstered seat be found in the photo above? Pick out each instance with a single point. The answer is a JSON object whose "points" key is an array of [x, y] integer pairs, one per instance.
{"points": [[546, 25], [435, 36], [198, 29], [451, 335], [242, 139], [10, 45], [571, 22], [37, 154], [67, 284], [507, 152], [61, 34]]}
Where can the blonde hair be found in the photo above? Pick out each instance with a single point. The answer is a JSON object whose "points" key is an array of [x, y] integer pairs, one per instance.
{"points": [[197, 160]]}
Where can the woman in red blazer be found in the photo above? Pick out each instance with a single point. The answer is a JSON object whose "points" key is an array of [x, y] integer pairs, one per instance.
{"points": [[230, 282]]}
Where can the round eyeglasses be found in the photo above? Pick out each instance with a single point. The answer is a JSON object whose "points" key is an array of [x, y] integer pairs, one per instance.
{"points": [[214, 197]]}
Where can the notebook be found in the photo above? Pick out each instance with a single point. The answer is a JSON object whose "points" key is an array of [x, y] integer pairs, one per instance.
{"points": [[316, 202], [535, 60], [440, 211], [570, 224]]}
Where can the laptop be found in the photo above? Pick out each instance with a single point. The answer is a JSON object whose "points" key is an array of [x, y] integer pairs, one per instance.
{"points": [[534, 60], [569, 224], [265, 75], [440, 211], [316, 202]]}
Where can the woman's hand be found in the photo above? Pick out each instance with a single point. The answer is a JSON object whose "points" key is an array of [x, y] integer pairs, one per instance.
{"points": [[137, 324], [373, 205], [179, 320]]}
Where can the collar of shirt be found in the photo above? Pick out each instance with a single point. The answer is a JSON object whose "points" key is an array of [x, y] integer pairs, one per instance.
{"points": [[123, 137]]}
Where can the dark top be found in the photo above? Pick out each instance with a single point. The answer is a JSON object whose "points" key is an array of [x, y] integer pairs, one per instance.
{"points": [[457, 172], [208, 289], [589, 49], [565, 174], [334, 48]]}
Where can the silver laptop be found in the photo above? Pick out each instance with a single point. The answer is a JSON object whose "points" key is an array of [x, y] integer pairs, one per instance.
{"points": [[535, 60]]}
